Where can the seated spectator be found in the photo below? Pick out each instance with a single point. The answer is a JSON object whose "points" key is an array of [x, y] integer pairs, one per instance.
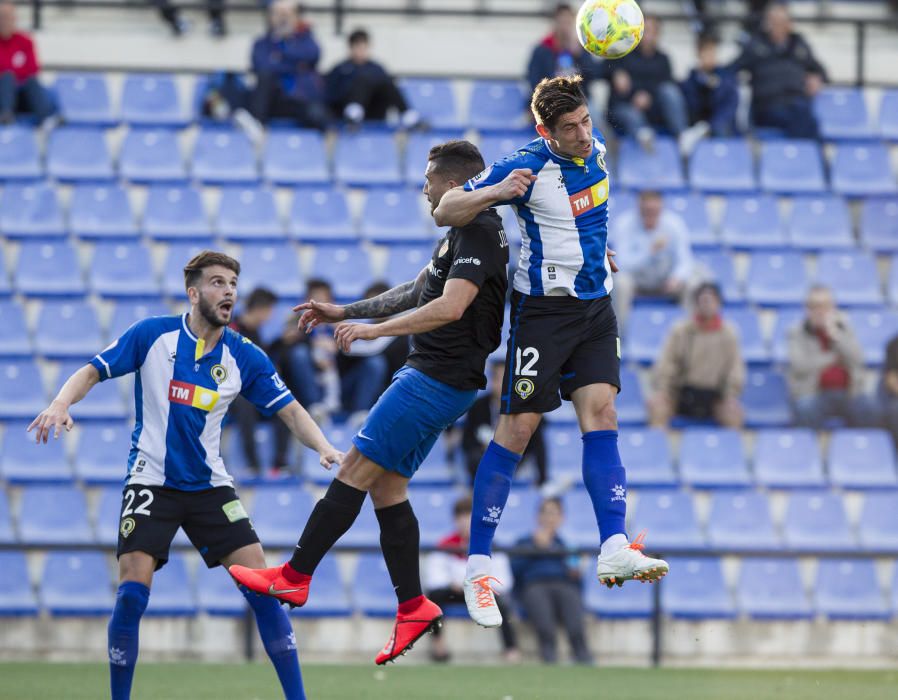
{"points": [[444, 573], [889, 389], [785, 76], [711, 90], [397, 350], [171, 15], [284, 61], [560, 52], [653, 252], [20, 90], [699, 373], [359, 89], [548, 586], [826, 367]]}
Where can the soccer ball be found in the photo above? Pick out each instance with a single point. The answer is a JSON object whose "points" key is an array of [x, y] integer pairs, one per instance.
{"points": [[609, 28]]}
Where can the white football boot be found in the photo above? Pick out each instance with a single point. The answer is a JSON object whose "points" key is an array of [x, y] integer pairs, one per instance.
{"points": [[629, 563], [481, 601]]}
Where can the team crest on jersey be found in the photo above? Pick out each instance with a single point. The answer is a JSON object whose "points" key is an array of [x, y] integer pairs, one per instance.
{"points": [[127, 527], [524, 388], [600, 161], [219, 373]]}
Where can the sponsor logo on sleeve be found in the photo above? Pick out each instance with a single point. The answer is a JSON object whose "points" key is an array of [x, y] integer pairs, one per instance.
{"points": [[467, 261], [234, 511]]}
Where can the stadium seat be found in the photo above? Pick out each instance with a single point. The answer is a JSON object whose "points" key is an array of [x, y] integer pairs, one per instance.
{"points": [[776, 278], [126, 312], [564, 450], [365, 159], [405, 262], [5, 286], [433, 506], [67, 329], [107, 515], [765, 399], [434, 100], [712, 457], [84, 99], [740, 519], [752, 221], [23, 462], [518, 517], [14, 341], [223, 156], [436, 469], [274, 266], [498, 145], [878, 523], [668, 515], [791, 167], [102, 454], [19, 155], [862, 170], [786, 318], [248, 214], [48, 269], [173, 593], [354, 266], [278, 511], [842, 114], [497, 105], [692, 209], [123, 270], [874, 329], [365, 531], [630, 403], [329, 597], [888, 115], [627, 602], [30, 211], [862, 458], [879, 224], [771, 589], [820, 222], [659, 170], [578, 528], [76, 584], [152, 100], [101, 212], [848, 589], [78, 153], [321, 215], [696, 590], [392, 216], [748, 326], [151, 155], [216, 593], [175, 213], [295, 157], [21, 390], [646, 455], [647, 330], [788, 458], [816, 520], [858, 278], [7, 535], [53, 515], [417, 147], [718, 265], [173, 269], [372, 590], [105, 400], [722, 165], [16, 594]]}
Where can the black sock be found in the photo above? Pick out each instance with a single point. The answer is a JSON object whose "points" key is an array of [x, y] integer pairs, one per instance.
{"points": [[399, 540], [333, 515]]}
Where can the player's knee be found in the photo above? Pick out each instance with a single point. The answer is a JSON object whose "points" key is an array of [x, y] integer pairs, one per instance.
{"points": [[517, 435], [131, 601], [605, 416]]}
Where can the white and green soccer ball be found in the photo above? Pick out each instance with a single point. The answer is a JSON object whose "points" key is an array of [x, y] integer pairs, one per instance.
{"points": [[610, 28]]}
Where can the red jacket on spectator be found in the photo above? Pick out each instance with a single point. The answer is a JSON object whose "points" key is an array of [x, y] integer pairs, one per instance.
{"points": [[17, 54]]}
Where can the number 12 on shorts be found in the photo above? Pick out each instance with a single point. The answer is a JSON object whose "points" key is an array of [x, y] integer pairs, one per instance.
{"points": [[525, 359]]}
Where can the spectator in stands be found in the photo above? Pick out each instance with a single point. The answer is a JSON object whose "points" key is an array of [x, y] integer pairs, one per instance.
{"points": [[560, 52], [172, 17], [397, 351], [785, 76], [711, 90], [285, 62], [443, 576], [359, 89], [20, 90], [653, 250], [889, 389], [826, 367], [480, 424], [699, 373], [548, 586]]}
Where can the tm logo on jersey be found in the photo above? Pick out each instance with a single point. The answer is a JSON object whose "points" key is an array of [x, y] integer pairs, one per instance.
{"points": [[192, 395], [590, 198]]}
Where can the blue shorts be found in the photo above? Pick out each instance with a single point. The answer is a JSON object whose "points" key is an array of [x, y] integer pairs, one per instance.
{"points": [[407, 419]]}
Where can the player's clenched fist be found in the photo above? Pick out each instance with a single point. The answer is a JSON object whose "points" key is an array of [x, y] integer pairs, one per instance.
{"points": [[347, 333], [515, 184], [315, 312]]}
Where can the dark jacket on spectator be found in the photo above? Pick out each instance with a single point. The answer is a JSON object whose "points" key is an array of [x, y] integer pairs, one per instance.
{"points": [[646, 73], [549, 567], [549, 60], [338, 83], [294, 59]]}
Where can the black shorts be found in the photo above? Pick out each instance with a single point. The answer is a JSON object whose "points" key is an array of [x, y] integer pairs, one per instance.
{"points": [[558, 344], [214, 521]]}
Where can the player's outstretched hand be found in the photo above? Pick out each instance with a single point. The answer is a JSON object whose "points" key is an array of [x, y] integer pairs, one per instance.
{"points": [[611, 264], [52, 419], [330, 456], [347, 333], [515, 184], [316, 312]]}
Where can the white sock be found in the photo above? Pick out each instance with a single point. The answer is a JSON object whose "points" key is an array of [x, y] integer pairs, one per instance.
{"points": [[614, 543], [478, 565]]}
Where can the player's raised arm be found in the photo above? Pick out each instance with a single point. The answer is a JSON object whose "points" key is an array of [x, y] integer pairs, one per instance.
{"points": [[56, 415], [306, 430], [460, 205]]}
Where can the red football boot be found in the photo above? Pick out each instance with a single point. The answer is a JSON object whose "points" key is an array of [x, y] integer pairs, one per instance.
{"points": [[409, 628], [272, 582]]}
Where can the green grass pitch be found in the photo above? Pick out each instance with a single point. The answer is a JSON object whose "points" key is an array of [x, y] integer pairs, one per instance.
{"points": [[30, 681]]}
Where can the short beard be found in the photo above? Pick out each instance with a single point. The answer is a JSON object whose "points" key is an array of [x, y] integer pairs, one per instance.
{"points": [[208, 313]]}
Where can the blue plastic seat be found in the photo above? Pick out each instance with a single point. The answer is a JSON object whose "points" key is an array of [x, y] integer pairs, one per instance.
{"points": [[101, 212], [692, 209], [878, 524], [392, 216], [695, 590], [104, 402], [67, 329], [107, 516], [151, 155], [123, 270], [722, 165], [862, 458], [740, 519], [436, 469], [330, 597], [646, 331], [433, 507], [30, 211], [372, 590], [646, 455], [578, 529], [670, 519], [51, 515], [788, 458], [274, 266], [497, 105], [152, 100], [848, 589], [22, 461], [874, 329], [564, 449], [434, 100], [752, 221], [816, 520], [766, 399], [858, 278], [888, 115], [295, 157], [173, 592], [498, 145], [22, 393], [224, 156], [78, 153], [405, 262], [630, 403], [713, 457], [771, 589], [174, 212], [102, 454], [719, 265], [862, 169], [365, 531], [659, 170], [84, 99], [417, 147], [16, 594], [248, 214], [7, 534], [629, 602], [278, 514], [879, 224], [786, 318], [791, 167], [820, 222], [321, 215], [76, 584], [19, 155], [354, 269], [5, 286], [216, 593], [365, 159], [173, 269], [842, 114], [518, 518], [14, 341], [748, 326], [776, 278]]}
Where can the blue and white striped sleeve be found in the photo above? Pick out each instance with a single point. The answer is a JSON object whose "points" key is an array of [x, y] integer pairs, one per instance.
{"points": [[127, 353]]}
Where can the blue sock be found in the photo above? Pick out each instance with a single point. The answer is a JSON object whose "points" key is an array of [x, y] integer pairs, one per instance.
{"points": [[124, 625], [606, 481], [279, 640], [491, 486]]}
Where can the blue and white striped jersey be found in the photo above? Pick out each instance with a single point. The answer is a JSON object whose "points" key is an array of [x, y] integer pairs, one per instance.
{"points": [[181, 398], [563, 218]]}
